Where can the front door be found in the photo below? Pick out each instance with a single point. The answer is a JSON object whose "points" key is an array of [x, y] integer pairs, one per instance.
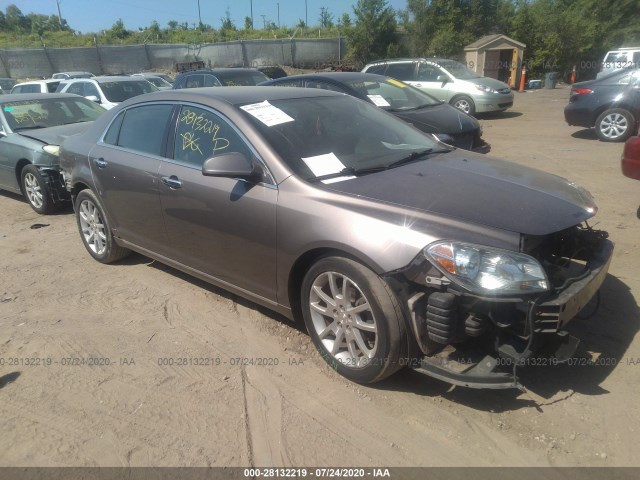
{"points": [[224, 227]]}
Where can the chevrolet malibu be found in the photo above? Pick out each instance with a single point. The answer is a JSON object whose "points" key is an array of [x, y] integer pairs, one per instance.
{"points": [[394, 249]]}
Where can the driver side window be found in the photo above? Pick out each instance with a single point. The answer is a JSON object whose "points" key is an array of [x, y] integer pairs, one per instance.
{"points": [[201, 134]]}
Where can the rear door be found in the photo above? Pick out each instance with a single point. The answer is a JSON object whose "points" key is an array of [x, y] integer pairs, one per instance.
{"points": [[224, 227], [125, 170]]}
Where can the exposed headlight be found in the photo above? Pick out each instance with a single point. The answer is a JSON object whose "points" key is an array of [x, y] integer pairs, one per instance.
{"points": [[485, 89], [52, 149], [487, 270]]}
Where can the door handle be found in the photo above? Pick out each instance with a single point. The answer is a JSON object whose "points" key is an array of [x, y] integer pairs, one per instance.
{"points": [[172, 181], [100, 163]]}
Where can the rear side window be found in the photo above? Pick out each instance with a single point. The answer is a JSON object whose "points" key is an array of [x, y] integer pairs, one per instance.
{"points": [[143, 128], [211, 81], [111, 137], [51, 86], [401, 71], [194, 81], [324, 86]]}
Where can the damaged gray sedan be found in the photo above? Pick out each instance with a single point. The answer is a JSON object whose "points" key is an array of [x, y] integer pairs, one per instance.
{"points": [[394, 249]]}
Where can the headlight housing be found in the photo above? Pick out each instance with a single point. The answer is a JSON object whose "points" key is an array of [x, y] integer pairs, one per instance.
{"points": [[485, 89], [487, 270], [52, 149]]}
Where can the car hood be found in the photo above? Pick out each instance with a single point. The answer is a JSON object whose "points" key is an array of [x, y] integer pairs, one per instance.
{"points": [[55, 135], [441, 118], [489, 82], [481, 190]]}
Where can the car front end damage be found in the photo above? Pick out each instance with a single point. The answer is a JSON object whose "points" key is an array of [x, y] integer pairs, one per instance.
{"points": [[479, 313]]}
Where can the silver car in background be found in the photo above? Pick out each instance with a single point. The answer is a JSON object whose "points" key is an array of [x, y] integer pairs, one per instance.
{"points": [[449, 81]]}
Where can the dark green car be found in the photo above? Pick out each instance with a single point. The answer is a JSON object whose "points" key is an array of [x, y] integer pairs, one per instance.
{"points": [[32, 127]]}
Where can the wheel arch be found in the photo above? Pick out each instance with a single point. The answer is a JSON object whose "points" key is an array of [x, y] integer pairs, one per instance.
{"points": [[302, 264], [76, 189], [23, 162], [611, 106]]}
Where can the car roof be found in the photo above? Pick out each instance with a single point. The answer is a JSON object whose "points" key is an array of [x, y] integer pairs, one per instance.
{"points": [[413, 59], [38, 82], [233, 95], [21, 97], [103, 79], [219, 70]]}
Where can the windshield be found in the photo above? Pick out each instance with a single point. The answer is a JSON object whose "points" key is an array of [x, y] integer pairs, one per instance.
{"points": [[119, 91], [458, 70], [326, 136], [241, 78], [42, 113], [393, 95]]}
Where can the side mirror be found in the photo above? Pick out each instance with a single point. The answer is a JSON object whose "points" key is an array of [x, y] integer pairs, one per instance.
{"points": [[232, 165], [93, 98], [443, 78], [2, 132]]}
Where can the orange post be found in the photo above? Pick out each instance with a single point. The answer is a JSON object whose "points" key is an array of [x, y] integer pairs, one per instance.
{"points": [[522, 78], [573, 75]]}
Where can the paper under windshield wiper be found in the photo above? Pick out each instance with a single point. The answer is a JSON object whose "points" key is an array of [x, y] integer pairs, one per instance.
{"points": [[416, 156], [349, 171]]}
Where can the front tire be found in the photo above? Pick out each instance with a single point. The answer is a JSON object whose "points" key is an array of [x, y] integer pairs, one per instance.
{"points": [[353, 319], [615, 125], [464, 103], [95, 230], [36, 190]]}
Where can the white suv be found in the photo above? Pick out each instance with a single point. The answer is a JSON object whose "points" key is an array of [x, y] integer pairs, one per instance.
{"points": [[449, 81], [107, 91], [620, 58]]}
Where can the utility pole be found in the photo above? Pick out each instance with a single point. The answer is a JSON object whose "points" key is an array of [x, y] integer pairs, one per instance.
{"points": [[322, 16], [306, 14], [251, 5], [264, 22], [59, 14], [199, 16], [278, 14]]}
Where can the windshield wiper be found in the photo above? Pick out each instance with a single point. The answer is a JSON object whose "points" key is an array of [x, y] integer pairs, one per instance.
{"points": [[412, 157], [411, 109], [30, 127]]}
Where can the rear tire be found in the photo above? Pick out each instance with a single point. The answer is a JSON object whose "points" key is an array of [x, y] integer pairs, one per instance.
{"points": [[95, 231], [354, 319], [615, 125]]}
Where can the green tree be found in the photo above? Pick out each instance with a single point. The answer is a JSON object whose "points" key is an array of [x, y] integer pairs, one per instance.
{"points": [[373, 34]]}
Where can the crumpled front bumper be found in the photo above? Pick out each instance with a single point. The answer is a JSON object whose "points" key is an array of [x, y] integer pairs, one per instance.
{"points": [[546, 343]]}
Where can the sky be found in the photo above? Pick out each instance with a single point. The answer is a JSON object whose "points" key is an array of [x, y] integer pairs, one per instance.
{"points": [[96, 15]]}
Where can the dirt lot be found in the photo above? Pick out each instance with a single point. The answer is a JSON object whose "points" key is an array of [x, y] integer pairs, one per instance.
{"points": [[147, 408]]}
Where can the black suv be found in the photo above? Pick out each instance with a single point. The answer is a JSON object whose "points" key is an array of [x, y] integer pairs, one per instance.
{"points": [[611, 104], [218, 77]]}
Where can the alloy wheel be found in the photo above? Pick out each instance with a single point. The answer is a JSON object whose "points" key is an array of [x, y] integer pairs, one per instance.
{"points": [[93, 228], [33, 190], [343, 319]]}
